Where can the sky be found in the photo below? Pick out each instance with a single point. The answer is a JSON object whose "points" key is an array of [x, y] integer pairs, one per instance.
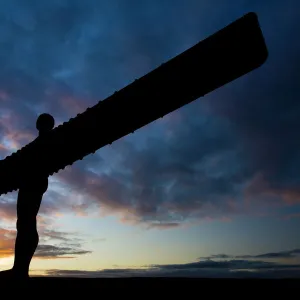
{"points": [[210, 190]]}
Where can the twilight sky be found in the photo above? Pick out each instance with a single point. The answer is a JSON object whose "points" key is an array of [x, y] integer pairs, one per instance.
{"points": [[212, 189]]}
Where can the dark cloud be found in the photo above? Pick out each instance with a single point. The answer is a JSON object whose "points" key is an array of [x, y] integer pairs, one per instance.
{"points": [[204, 161], [81, 51], [238, 144]]}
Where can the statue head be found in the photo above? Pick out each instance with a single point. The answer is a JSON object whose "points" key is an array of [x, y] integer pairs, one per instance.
{"points": [[44, 123]]}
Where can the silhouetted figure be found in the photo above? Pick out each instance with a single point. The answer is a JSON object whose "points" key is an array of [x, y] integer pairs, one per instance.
{"points": [[33, 186]]}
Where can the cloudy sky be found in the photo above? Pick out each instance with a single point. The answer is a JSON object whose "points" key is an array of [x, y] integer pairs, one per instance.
{"points": [[212, 189]]}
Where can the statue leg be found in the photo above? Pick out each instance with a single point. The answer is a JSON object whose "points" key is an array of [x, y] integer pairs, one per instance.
{"points": [[28, 205], [27, 240], [25, 246]]}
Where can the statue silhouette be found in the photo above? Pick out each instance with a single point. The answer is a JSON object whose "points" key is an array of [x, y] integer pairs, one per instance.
{"points": [[33, 186]]}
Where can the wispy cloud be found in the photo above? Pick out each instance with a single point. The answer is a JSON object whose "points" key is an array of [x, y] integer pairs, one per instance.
{"points": [[53, 244], [6, 242], [295, 253], [267, 265], [53, 252], [204, 269]]}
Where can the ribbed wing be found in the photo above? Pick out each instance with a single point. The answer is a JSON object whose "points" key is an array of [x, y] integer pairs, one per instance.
{"points": [[221, 58]]}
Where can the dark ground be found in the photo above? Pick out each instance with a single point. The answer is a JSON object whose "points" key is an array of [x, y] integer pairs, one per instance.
{"points": [[160, 287]]}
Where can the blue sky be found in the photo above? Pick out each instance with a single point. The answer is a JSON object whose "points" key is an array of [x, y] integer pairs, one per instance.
{"points": [[218, 176]]}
